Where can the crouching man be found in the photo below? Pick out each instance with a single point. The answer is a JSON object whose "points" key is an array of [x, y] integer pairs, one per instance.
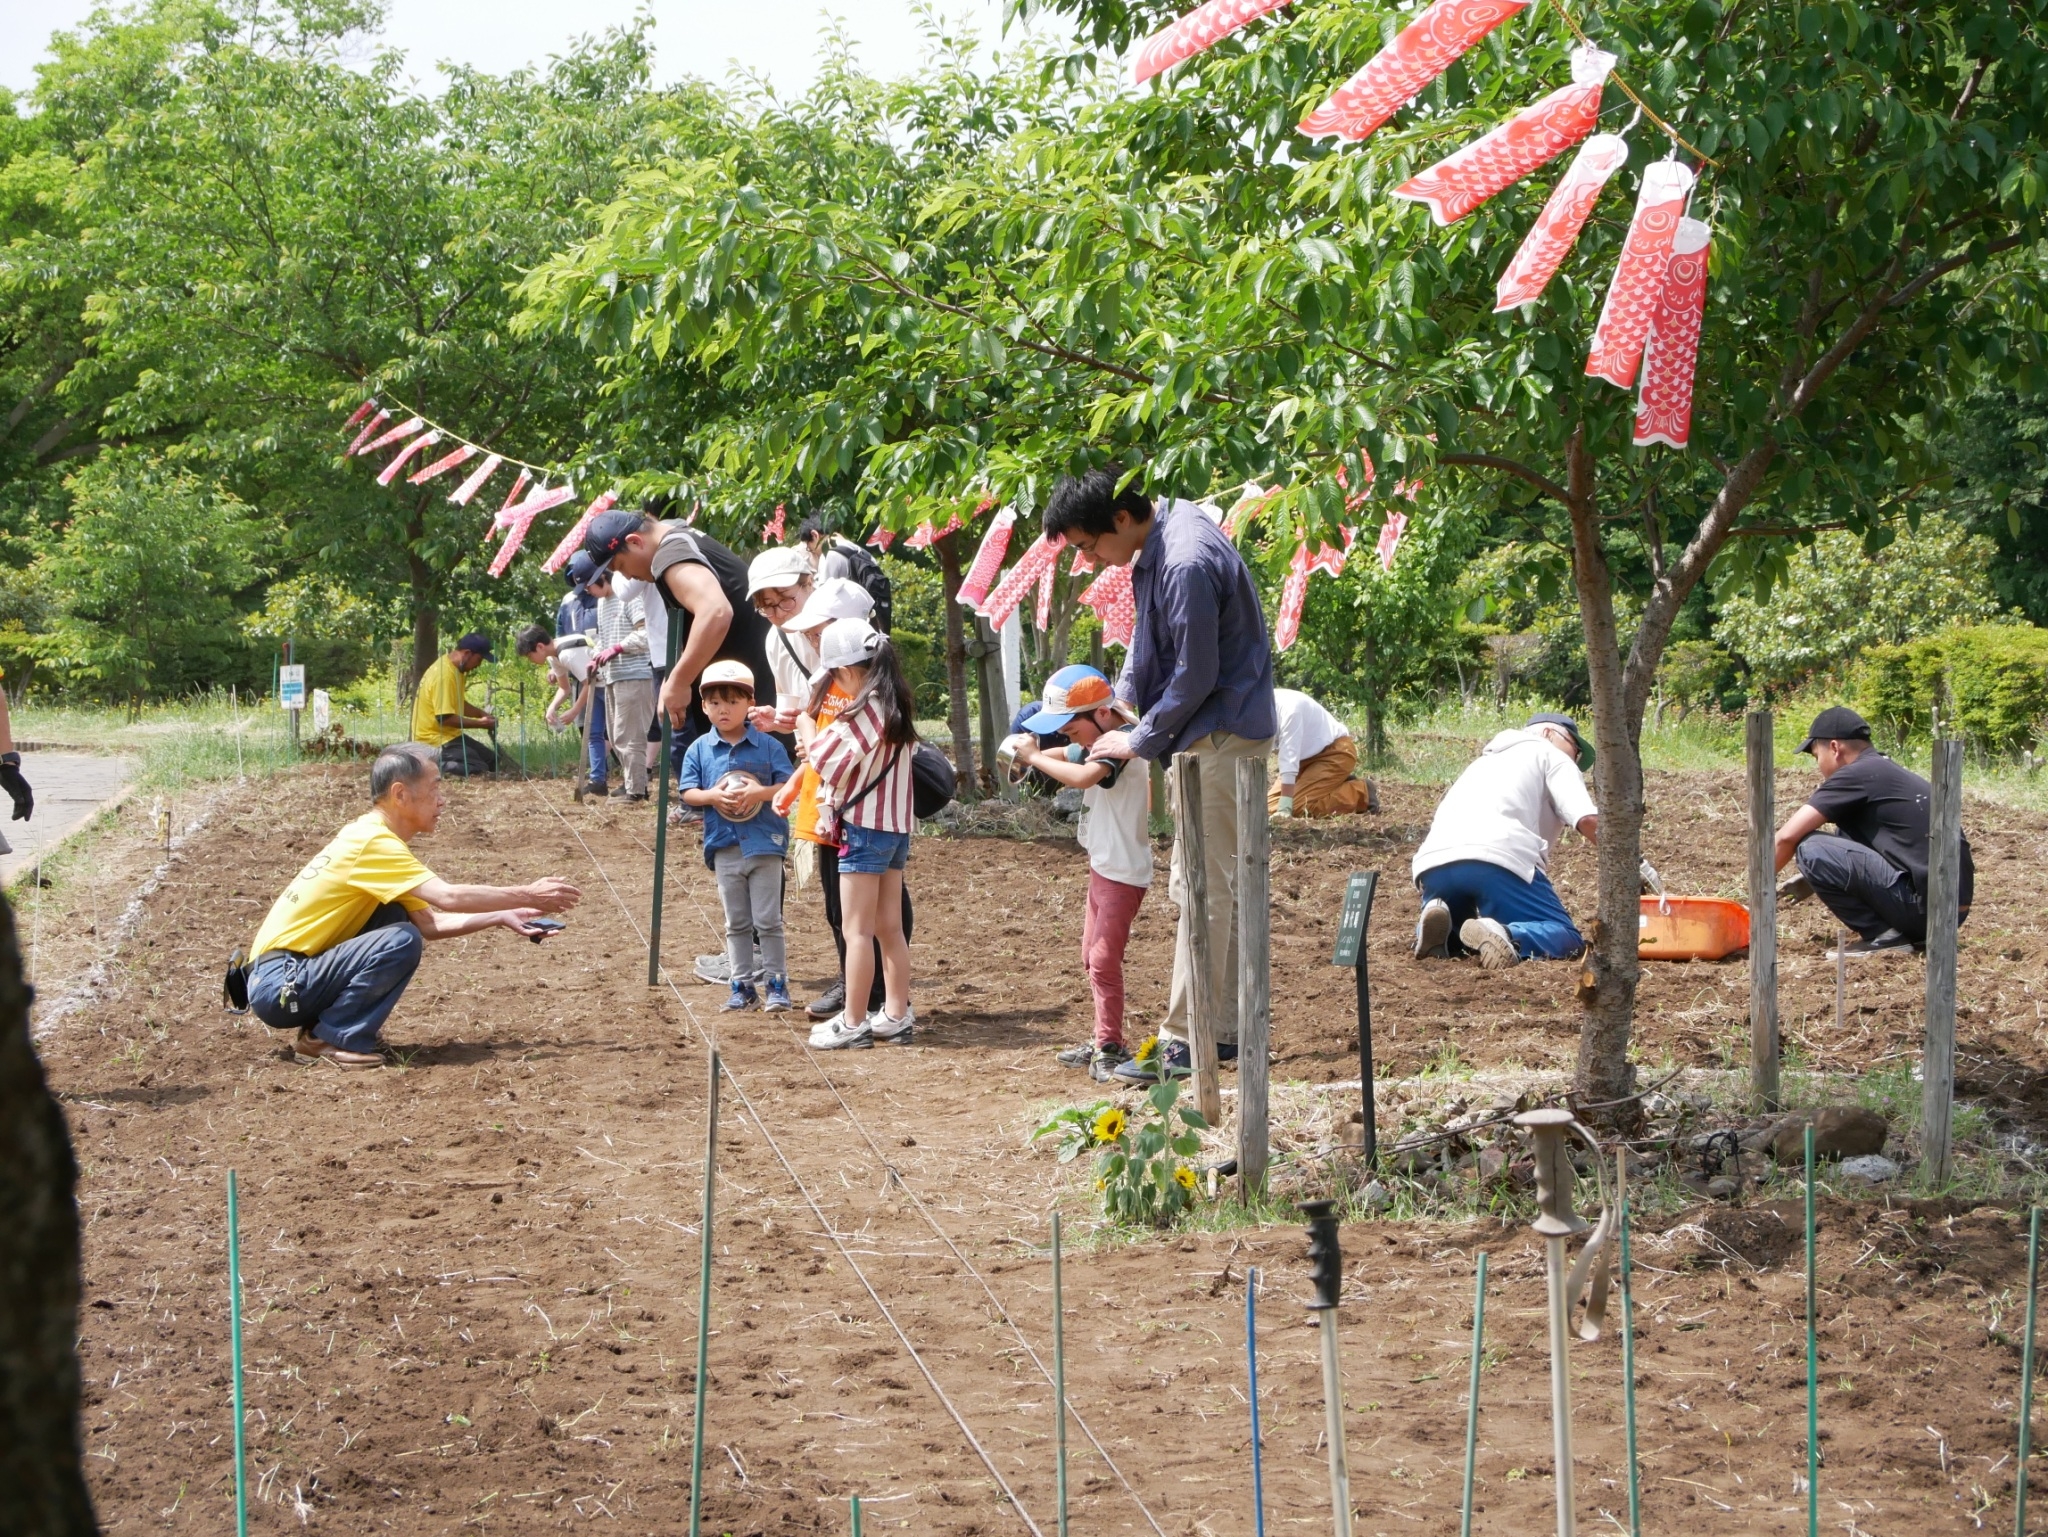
{"points": [[342, 942]]}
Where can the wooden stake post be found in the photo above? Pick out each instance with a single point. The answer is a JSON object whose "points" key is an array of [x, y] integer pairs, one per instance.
{"points": [[1254, 974], [1760, 751], [1194, 869], [1351, 951], [1944, 876]]}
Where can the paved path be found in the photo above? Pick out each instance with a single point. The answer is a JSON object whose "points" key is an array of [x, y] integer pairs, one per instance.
{"points": [[70, 788]]}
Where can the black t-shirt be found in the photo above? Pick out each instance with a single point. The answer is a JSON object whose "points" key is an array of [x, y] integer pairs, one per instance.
{"points": [[747, 639], [1884, 807]]}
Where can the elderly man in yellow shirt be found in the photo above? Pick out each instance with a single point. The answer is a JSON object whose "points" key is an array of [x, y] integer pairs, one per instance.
{"points": [[344, 939], [441, 708]]}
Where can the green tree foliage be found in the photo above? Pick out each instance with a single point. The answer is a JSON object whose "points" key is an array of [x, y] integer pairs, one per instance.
{"points": [[1989, 684], [146, 576], [1997, 447], [1835, 600], [1177, 279]]}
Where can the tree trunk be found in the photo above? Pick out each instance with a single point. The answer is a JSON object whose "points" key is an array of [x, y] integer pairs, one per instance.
{"points": [[426, 608], [1607, 984], [948, 550], [1375, 716], [42, 1480]]}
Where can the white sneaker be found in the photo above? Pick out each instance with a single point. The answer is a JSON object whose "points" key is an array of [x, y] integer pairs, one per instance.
{"points": [[892, 1032], [1496, 949], [837, 1034], [1433, 933]]}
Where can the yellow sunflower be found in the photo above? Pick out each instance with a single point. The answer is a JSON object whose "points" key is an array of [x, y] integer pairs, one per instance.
{"points": [[1149, 1049], [1110, 1125], [1185, 1178]]}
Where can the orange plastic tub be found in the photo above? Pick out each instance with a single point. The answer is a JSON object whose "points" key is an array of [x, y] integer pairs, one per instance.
{"points": [[1694, 929]]}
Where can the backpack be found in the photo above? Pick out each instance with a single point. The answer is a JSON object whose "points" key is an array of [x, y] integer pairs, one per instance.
{"points": [[868, 571]]}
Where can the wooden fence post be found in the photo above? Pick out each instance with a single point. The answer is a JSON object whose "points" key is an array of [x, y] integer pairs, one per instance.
{"points": [[1944, 876], [1254, 974], [1760, 751], [1202, 1002]]}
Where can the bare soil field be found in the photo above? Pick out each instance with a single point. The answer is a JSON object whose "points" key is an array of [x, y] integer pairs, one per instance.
{"points": [[471, 1279]]}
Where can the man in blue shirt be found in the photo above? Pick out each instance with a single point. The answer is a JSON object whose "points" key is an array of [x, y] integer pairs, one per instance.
{"points": [[577, 615], [1200, 668]]}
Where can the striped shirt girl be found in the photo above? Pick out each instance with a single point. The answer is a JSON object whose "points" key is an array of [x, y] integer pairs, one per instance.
{"points": [[849, 755]]}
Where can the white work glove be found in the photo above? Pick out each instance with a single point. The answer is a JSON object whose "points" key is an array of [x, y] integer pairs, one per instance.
{"points": [[1647, 874]]}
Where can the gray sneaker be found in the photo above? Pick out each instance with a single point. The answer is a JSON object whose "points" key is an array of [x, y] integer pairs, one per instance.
{"points": [[1877, 944], [1433, 932], [827, 1003], [1495, 945], [715, 969]]}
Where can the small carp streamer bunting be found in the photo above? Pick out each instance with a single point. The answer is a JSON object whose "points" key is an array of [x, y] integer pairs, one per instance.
{"points": [[1294, 595], [1664, 411], [521, 519], [562, 551], [1427, 47], [1390, 538], [443, 464], [461, 494], [1199, 30], [404, 429], [1639, 277], [1018, 581], [1536, 135], [988, 560], [1556, 230], [1115, 603], [390, 471], [882, 538]]}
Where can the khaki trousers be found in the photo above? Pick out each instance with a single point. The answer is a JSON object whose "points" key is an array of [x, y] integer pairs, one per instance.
{"points": [[1323, 786], [631, 707], [1219, 752]]}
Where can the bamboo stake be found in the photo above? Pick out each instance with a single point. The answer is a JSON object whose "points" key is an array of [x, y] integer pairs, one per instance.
{"points": [[1251, 1356], [1760, 751], [1472, 1404], [704, 1302], [2027, 1372], [1812, 1363], [1059, 1376], [235, 1347]]}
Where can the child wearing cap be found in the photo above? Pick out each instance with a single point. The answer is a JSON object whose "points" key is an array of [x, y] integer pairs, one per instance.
{"points": [[1080, 705], [863, 761], [730, 774]]}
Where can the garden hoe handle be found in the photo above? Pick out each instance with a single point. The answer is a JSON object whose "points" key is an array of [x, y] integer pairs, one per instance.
{"points": [[1327, 1261]]}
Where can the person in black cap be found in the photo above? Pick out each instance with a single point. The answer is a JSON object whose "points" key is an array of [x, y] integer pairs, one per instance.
{"points": [[441, 709], [704, 587], [1871, 872]]}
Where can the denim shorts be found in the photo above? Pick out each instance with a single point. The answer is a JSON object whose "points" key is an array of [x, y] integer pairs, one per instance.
{"points": [[870, 853]]}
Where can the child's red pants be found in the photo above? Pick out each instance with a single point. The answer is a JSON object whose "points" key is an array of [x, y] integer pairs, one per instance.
{"points": [[1112, 907]]}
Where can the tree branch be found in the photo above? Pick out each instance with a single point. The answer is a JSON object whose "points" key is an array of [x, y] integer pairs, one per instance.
{"points": [[1514, 467]]}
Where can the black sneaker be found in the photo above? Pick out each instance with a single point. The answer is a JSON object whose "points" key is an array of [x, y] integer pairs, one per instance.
{"points": [[1878, 944], [829, 1002], [1082, 1055], [1104, 1061]]}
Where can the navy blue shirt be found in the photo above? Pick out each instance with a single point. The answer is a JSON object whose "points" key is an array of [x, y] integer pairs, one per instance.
{"points": [[576, 613], [1200, 660], [709, 760]]}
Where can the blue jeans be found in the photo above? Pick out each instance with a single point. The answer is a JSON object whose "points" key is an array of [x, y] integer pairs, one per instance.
{"points": [[870, 853], [1528, 910], [345, 994], [599, 770]]}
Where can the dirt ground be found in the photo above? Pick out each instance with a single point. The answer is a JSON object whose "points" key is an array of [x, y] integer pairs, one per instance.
{"points": [[471, 1281]]}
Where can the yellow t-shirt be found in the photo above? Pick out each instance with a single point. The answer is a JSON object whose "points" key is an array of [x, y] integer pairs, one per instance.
{"points": [[441, 692], [365, 866]]}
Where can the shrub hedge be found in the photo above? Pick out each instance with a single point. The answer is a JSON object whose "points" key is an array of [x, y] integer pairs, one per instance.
{"points": [[1990, 682]]}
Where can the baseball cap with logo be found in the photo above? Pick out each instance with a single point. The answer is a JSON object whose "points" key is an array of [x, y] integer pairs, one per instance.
{"points": [[728, 674], [607, 532], [1069, 692], [1571, 727], [476, 643], [1837, 723], [583, 567]]}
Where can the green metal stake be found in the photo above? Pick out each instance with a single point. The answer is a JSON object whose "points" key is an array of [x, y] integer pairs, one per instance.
{"points": [[856, 1516], [1628, 1367], [1059, 1375], [1812, 1363], [2027, 1369], [704, 1304], [1472, 1406], [235, 1339], [675, 636]]}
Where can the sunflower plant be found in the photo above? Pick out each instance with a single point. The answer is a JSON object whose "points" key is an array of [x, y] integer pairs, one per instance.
{"points": [[1141, 1164]]}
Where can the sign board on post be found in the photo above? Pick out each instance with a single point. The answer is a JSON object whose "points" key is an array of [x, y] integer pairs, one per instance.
{"points": [[1351, 921], [291, 686], [1351, 951], [323, 712]]}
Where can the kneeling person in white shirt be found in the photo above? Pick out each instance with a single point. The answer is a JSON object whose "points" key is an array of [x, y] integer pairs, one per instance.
{"points": [[1317, 760], [1080, 704]]}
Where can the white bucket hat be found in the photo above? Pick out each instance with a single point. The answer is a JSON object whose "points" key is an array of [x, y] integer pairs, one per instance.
{"points": [[835, 598], [782, 566], [847, 643]]}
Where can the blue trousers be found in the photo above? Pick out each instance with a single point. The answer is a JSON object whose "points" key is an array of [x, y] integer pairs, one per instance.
{"points": [[1528, 910], [345, 994], [599, 769]]}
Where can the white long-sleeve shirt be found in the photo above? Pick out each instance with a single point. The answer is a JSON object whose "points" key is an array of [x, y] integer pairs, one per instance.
{"points": [[1306, 728]]}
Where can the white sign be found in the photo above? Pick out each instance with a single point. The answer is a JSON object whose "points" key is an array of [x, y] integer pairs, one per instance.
{"points": [[323, 710], [291, 686]]}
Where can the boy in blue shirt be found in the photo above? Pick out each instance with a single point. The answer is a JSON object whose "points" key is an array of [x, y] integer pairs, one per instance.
{"points": [[730, 773]]}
